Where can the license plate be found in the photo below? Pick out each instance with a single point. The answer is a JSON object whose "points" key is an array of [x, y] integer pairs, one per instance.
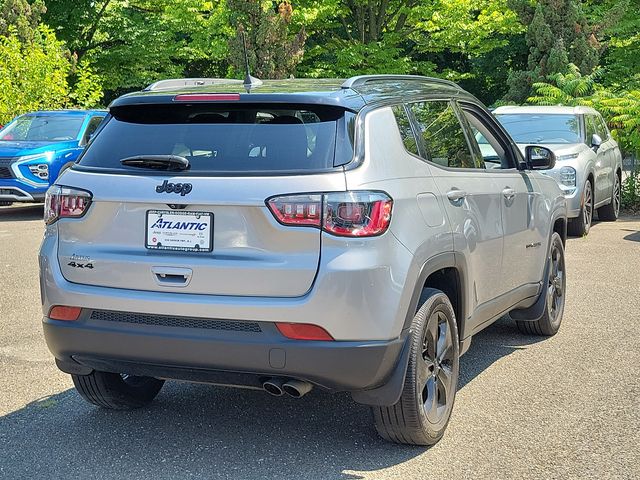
{"points": [[181, 231]]}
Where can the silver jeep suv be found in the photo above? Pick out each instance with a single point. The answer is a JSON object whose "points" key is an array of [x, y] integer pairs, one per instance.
{"points": [[303, 234]]}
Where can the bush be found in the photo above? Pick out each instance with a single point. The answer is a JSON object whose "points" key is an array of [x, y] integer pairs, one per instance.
{"points": [[631, 191], [34, 75]]}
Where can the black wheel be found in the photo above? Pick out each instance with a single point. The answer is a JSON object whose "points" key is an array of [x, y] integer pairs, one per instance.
{"points": [[609, 213], [556, 284], [421, 415], [117, 391], [579, 226], [5, 204]]}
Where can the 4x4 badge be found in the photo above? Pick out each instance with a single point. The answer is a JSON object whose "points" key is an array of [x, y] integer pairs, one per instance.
{"points": [[181, 188]]}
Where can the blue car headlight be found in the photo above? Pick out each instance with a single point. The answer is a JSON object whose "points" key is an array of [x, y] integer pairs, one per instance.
{"points": [[33, 169]]}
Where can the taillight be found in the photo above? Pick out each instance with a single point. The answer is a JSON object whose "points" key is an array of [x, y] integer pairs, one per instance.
{"points": [[345, 214], [65, 202], [297, 209]]}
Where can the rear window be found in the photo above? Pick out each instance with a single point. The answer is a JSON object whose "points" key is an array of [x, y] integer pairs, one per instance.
{"points": [[219, 139]]}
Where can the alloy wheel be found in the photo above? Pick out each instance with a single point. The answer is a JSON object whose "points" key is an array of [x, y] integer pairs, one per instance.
{"points": [[557, 284], [436, 374], [617, 200], [588, 205]]}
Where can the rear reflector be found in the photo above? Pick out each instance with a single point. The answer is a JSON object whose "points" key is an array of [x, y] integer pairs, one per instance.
{"points": [[69, 314], [303, 331], [207, 97]]}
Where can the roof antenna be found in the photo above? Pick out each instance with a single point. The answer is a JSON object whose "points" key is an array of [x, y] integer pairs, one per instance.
{"points": [[249, 81]]}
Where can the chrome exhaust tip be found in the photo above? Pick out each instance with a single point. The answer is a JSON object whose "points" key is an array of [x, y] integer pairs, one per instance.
{"points": [[296, 388], [273, 386]]}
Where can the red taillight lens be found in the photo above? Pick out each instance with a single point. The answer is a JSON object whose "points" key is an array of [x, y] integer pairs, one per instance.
{"points": [[61, 312], [64, 202], [346, 214], [303, 331], [357, 214], [297, 209], [207, 97]]}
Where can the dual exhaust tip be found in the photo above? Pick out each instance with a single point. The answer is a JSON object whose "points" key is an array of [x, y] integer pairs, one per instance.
{"points": [[279, 386]]}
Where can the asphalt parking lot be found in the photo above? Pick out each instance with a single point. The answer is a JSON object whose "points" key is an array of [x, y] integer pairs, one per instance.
{"points": [[565, 407]]}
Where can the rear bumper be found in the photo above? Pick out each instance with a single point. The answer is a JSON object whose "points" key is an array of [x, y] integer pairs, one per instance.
{"points": [[250, 349]]}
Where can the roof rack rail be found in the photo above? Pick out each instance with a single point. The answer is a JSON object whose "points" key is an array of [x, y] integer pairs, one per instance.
{"points": [[360, 80], [174, 83]]}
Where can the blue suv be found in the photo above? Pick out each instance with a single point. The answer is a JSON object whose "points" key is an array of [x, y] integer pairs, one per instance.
{"points": [[35, 148]]}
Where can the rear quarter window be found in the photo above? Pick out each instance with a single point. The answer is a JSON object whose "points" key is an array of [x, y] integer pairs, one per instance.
{"points": [[218, 139]]}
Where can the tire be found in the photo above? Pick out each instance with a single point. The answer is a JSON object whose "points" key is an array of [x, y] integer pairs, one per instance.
{"points": [[5, 204], [580, 226], [556, 283], [609, 213], [116, 391], [414, 420]]}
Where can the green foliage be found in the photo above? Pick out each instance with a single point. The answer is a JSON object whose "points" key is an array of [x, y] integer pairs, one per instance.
{"points": [[572, 88], [33, 76], [20, 18], [631, 191], [132, 43], [558, 34], [273, 52], [87, 88]]}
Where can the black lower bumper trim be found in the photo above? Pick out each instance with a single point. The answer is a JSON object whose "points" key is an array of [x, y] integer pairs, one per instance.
{"points": [[204, 355]]}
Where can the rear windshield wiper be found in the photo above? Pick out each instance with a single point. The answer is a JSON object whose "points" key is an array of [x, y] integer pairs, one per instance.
{"points": [[157, 162]]}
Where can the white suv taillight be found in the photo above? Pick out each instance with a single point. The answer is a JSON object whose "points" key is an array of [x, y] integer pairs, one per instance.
{"points": [[65, 202], [345, 214]]}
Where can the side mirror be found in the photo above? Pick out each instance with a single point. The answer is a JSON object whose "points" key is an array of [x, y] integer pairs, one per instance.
{"points": [[596, 141], [540, 158]]}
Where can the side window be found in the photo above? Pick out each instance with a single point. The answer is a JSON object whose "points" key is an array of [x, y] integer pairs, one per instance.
{"points": [[442, 135], [404, 125], [493, 151], [601, 128], [91, 128], [590, 128]]}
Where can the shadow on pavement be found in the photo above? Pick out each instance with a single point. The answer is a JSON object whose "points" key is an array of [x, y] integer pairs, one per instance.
{"points": [[633, 237], [199, 431], [21, 213]]}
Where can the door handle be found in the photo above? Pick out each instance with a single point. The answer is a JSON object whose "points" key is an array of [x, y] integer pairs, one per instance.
{"points": [[456, 195], [172, 276], [509, 193]]}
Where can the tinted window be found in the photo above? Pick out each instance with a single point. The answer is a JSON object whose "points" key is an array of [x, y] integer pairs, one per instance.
{"points": [[492, 150], [601, 128], [218, 139], [541, 128], [404, 125], [442, 135], [91, 128], [590, 127], [43, 128]]}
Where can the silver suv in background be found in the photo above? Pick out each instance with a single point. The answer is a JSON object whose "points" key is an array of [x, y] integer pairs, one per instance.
{"points": [[343, 236], [589, 162]]}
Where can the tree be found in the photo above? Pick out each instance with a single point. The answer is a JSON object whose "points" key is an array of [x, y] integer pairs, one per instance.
{"points": [[557, 34], [273, 52], [132, 43], [33, 75], [393, 36], [20, 18]]}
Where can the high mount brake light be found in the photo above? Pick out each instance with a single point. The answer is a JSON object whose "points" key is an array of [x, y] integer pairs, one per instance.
{"points": [[65, 202], [207, 97], [345, 214]]}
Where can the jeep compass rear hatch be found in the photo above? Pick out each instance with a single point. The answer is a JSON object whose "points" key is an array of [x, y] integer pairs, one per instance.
{"points": [[179, 191]]}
